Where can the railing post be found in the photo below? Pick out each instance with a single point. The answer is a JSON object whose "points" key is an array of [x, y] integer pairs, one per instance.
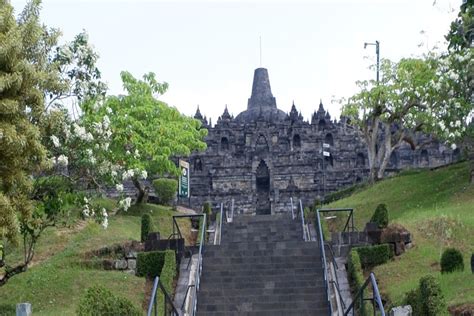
{"points": [[302, 220], [292, 208]]}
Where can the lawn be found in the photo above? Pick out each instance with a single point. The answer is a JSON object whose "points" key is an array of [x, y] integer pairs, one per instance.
{"points": [[55, 281], [437, 207]]}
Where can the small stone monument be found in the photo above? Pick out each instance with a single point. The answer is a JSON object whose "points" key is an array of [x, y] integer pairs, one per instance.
{"points": [[401, 311], [23, 309]]}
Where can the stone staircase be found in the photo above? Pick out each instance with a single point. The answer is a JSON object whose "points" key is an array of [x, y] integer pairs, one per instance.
{"points": [[262, 267]]}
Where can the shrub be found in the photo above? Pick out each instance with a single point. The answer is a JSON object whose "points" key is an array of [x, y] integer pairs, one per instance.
{"points": [[380, 216], [147, 226], [371, 256], [165, 190], [150, 263], [356, 277], [432, 300], [452, 260], [413, 299], [100, 301]]}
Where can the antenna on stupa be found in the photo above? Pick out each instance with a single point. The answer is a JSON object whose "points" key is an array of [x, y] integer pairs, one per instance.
{"points": [[260, 51]]}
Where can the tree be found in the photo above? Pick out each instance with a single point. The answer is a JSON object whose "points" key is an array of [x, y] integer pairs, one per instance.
{"points": [[145, 132], [21, 103], [461, 39], [427, 94]]}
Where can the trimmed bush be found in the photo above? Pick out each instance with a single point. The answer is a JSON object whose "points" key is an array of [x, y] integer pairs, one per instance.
{"points": [[165, 189], [371, 256], [100, 301], [452, 260], [147, 226], [380, 216], [150, 263], [167, 276], [432, 299], [356, 277]]}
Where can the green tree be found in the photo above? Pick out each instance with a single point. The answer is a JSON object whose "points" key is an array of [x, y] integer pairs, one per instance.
{"points": [[147, 132]]}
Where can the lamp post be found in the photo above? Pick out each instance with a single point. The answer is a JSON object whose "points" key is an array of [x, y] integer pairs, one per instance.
{"points": [[377, 51]]}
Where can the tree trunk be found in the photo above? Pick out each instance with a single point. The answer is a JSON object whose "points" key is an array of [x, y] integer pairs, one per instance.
{"points": [[385, 152], [141, 196], [11, 272]]}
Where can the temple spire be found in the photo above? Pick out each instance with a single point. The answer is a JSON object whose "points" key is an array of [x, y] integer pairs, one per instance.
{"points": [[261, 92]]}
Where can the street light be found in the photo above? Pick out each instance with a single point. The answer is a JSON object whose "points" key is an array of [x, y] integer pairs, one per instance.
{"points": [[377, 51]]}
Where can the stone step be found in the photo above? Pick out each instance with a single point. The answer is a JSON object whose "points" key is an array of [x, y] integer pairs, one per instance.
{"points": [[229, 252], [280, 244], [263, 307], [316, 290], [284, 273], [296, 312], [263, 279], [310, 259]]}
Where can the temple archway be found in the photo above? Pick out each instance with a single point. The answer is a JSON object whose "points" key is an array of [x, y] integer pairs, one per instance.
{"points": [[262, 177]]}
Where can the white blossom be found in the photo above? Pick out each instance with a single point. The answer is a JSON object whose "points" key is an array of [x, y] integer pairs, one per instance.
{"points": [[125, 203], [453, 146], [105, 223], [119, 187], [63, 160], [55, 141], [144, 174]]}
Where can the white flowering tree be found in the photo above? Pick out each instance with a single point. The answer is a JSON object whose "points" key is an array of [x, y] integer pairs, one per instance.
{"points": [[414, 95], [138, 134]]}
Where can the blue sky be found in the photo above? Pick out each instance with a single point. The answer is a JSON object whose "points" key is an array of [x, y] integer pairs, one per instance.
{"points": [[207, 50]]}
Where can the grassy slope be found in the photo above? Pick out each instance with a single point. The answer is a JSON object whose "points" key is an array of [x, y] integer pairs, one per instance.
{"points": [[437, 207], [55, 283]]}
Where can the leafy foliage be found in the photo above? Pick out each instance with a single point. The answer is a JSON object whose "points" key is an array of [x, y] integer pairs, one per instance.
{"points": [[380, 216], [371, 256], [165, 189], [150, 263], [100, 301], [432, 299], [452, 260], [146, 227]]}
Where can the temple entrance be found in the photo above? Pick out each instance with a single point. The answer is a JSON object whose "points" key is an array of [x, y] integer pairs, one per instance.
{"points": [[263, 189]]}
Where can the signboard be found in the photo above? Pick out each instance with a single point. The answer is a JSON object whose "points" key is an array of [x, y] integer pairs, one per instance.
{"points": [[326, 154], [326, 145], [183, 179]]}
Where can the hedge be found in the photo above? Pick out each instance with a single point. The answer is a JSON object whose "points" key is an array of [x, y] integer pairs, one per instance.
{"points": [[165, 189], [167, 275], [100, 301], [150, 263], [356, 276], [371, 256]]}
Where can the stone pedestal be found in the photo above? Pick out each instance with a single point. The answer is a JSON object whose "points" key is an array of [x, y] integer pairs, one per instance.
{"points": [[23, 309], [401, 311]]}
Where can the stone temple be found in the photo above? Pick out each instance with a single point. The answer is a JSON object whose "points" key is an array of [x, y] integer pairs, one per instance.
{"points": [[264, 156]]}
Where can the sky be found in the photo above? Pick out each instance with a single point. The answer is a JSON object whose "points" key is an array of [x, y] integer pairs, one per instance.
{"points": [[207, 50]]}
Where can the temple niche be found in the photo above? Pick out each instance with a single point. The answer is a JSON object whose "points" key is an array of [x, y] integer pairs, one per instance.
{"points": [[263, 157]]}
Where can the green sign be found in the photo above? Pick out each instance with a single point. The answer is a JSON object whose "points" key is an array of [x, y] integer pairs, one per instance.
{"points": [[183, 179]]}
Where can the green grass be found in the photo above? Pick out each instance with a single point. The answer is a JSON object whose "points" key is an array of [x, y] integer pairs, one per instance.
{"points": [[55, 282], [437, 207]]}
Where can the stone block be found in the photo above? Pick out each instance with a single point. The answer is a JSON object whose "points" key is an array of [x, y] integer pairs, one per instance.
{"points": [[23, 309], [401, 311], [132, 264], [120, 264], [108, 264], [131, 255]]}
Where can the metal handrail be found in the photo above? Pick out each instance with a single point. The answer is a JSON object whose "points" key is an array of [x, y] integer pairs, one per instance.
{"points": [[302, 221], [323, 261], [197, 279], [220, 225], [199, 267], [376, 299], [153, 300], [336, 279], [350, 219], [292, 208], [186, 296]]}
